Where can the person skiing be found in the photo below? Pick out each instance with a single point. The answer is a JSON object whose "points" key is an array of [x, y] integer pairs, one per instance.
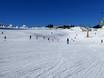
{"points": [[43, 37], [5, 37], [75, 37], [2, 32], [67, 40], [101, 41], [48, 38], [36, 37], [30, 36]]}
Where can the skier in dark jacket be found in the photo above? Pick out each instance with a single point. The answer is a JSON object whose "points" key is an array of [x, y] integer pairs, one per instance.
{"points": [[2, 32], [30, 36], [5, 37], [101, 41], [67, 40], [48, 39]]}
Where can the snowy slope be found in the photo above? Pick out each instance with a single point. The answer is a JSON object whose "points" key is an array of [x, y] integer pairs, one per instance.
{"points": [[21, 57]]}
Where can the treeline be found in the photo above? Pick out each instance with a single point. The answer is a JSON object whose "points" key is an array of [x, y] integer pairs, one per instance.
{"points": [[63, 26], [97, 26], [70, 26]]}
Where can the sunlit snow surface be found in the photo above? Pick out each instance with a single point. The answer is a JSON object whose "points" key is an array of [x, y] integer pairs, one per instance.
{"points": [[21, 57]]}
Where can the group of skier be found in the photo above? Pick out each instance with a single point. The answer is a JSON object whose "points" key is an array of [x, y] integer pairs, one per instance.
{"points": [[67, 40], [52, 38], [5, 37], [71, 39], [47, 37]]}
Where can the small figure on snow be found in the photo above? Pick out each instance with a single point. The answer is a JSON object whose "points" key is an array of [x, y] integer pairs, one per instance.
{"points": [[51, 33], [5, 37], [30, 36], [36, 37], [1, 32], [67, 40], [48, 38], [101, 41], [73, 40], [95, 33], [52, 40], [43, 37], [75, 37]]}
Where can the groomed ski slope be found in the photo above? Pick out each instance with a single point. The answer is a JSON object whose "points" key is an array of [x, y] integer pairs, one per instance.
{"points": [[21, 57]]}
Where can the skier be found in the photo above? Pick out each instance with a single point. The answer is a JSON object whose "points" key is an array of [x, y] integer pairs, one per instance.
{"points": [[5, 37], [52, 39], [36, 37], [73, 40], [2, 32], [95, 33], [67, 40], [48, 38], [30, 36], [101, 41], [43, 37], [75, 37], [51, 33]]}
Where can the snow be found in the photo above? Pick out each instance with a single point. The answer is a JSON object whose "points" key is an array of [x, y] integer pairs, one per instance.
{"points": [[21, 57]]}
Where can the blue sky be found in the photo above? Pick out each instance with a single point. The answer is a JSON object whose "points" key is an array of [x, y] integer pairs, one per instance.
{"points": [[57, 12]]}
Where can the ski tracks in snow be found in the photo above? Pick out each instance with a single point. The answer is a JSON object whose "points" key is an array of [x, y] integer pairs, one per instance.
{"points": [[60, 69]]}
